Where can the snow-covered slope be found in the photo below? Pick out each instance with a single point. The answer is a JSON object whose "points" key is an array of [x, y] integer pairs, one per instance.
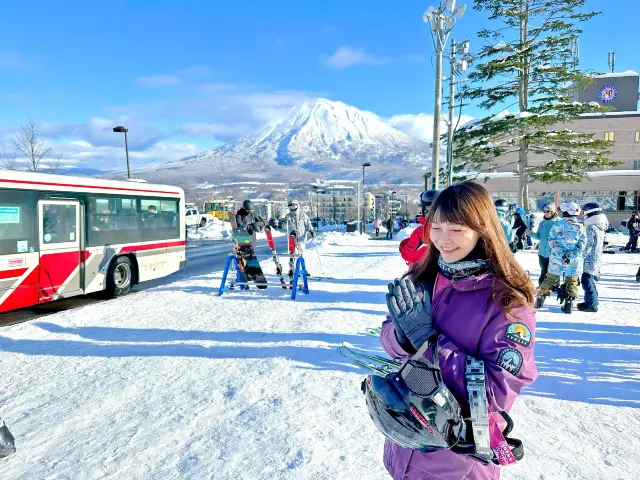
{"points": [[320, 136]]}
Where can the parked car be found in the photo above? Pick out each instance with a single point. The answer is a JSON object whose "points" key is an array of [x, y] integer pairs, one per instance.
{"points": [[194, 218]]}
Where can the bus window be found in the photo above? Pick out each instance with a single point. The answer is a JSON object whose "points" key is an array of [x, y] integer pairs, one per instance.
{"points": [[59, 223], [112, 221], [17, 234], [160, 220]]}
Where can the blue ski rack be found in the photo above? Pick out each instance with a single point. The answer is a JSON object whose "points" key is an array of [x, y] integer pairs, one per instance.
{"points": [[232, 264]]}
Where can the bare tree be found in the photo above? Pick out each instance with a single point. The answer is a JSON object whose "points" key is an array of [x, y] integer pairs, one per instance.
{"points": [[9, 161], [27, 141]]}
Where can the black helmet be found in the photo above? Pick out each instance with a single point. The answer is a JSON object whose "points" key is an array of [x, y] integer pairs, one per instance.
{"points": [[293, 205], [415, 409], [7, 442], [427, 198], [247, 205], [501, 204], [591, 208], [635, 212]]}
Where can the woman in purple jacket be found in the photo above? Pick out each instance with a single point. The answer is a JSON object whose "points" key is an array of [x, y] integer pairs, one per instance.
{"points": [[480, 303]]}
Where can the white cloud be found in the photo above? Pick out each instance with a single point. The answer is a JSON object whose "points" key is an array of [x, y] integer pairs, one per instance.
{"points": [[215, 129], [420, 125], [159, 80], [346, 56]]}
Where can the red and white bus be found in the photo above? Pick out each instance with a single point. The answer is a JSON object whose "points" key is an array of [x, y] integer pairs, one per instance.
{"points": [[62, 236]]}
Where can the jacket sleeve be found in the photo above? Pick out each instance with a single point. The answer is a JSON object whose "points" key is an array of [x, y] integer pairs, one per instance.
{"points": [[509, 364], [591, 241], [553, 236], [389, 341], [307, 223], [411, 245]]}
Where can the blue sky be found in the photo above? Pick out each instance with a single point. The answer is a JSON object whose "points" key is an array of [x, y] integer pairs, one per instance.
{"points": [[186, 76]]}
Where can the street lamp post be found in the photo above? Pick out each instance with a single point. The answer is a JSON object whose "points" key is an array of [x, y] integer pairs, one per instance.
{"points": [[121, 129], [315, 187], [392, 219], [364, 204], [441, 21]]}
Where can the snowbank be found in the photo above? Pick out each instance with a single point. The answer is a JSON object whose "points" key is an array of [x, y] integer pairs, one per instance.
{"points": [[213, 230], [406, 232], [343, 239]]}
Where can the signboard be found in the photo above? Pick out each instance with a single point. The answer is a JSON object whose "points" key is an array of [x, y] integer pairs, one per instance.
{"points": [[608, 93], [9, 215]]}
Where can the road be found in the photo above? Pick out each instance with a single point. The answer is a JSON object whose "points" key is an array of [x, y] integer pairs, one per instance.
{"points": [[203, 256]]}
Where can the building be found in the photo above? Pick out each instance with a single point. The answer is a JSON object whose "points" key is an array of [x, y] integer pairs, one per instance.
{"points": [[616, 189]]}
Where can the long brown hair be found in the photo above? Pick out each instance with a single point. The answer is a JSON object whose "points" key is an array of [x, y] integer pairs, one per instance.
{"points": [[469, 204]]}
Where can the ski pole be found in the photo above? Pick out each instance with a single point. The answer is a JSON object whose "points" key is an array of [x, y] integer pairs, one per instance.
{"points": [[319, 261]]}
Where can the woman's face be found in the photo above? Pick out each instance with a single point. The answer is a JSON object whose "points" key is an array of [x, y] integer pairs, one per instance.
{"points": [[454, 242]]}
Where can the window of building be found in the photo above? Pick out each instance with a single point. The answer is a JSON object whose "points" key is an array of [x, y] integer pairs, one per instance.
{"points": [[636, 164], [637, 137], [609, 136]]}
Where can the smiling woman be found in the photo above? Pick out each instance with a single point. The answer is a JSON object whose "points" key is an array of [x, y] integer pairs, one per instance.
{"points": [[477, 301]]}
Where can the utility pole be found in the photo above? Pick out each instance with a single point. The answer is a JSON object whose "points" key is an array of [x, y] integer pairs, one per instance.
{"points": [[455, 67], [441, 23], [611, 60]]}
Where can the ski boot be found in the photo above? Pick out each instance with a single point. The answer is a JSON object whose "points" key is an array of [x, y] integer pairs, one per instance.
{"points": [[540, 298], [583, 308], [567, 306]]}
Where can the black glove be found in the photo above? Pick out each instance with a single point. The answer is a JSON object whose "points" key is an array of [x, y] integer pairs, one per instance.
{"points": [[410, 312]]}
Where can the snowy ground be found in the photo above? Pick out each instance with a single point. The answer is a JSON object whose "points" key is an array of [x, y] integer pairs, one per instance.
{"points": [[175, 382]]}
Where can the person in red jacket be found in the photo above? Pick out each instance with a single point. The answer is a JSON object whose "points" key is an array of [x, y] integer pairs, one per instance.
{"points": [[414, 248]]}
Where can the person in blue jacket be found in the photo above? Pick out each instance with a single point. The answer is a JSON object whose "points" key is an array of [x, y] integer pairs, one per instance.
{"points": [[542, 235], [567, 240]]}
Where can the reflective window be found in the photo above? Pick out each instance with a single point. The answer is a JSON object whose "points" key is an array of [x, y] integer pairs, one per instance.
{"points": [[112, 221], [17, 222], [59, 223]]}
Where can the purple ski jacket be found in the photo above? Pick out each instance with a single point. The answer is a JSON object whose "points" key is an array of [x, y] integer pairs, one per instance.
{"points": [[469, 323]]}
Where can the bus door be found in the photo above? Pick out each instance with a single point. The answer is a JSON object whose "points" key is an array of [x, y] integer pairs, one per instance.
{"points": [[60, 249]]}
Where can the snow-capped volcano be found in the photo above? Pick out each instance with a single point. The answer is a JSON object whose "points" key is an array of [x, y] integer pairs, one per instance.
{"points": [[321, 137], [315, 134]]}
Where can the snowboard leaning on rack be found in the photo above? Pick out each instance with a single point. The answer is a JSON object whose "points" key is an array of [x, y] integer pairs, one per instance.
{"points": [[247, 261]]}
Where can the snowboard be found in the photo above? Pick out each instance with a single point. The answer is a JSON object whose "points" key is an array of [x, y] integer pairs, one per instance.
{"points": [[272, 246], [247, 261]]}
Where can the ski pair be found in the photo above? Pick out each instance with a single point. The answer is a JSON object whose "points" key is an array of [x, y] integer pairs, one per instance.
{"points": [[376, 363], [274, 255]]}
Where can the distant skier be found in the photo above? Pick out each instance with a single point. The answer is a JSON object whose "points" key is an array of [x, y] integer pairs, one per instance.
{"points": [[502, 207], [414, 248], [252, 223], [542, 235], [520, 227], [597, 224], [634, 232], [567, 241], [298, 222]]}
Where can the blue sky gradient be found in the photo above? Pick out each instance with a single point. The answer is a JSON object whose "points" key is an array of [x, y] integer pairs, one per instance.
{"points": [[187, 76]]}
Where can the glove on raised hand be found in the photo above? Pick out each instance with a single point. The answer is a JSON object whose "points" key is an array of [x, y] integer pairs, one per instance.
{"points": [[410, 312]]}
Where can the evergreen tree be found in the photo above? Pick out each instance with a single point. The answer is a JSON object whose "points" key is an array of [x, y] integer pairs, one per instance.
{"points": [[528, 62]]}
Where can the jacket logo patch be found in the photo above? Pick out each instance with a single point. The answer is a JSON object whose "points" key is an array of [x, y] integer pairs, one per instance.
{"points": [[511, 360], [519, 333]]}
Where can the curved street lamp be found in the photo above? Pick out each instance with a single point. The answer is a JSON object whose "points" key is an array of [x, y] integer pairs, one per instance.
{"points": [[121, 129]]}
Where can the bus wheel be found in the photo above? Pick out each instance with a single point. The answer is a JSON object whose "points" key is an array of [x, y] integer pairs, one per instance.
{"points": [[203, 222], [120, 277]]}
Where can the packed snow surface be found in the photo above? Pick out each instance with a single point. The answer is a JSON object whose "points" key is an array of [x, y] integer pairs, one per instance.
{"points": [[174, 382]]}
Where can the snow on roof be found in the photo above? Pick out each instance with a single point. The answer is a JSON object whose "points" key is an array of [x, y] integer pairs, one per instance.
{"points": [[627, 73], [630, 113]]}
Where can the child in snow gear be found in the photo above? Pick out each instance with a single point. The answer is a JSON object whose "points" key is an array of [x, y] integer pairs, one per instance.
{"points": [[502, 207], [482, 312], [248, 220], [634, 232], [567, 242], [414, 248], [542, 235], [597, 224]]}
